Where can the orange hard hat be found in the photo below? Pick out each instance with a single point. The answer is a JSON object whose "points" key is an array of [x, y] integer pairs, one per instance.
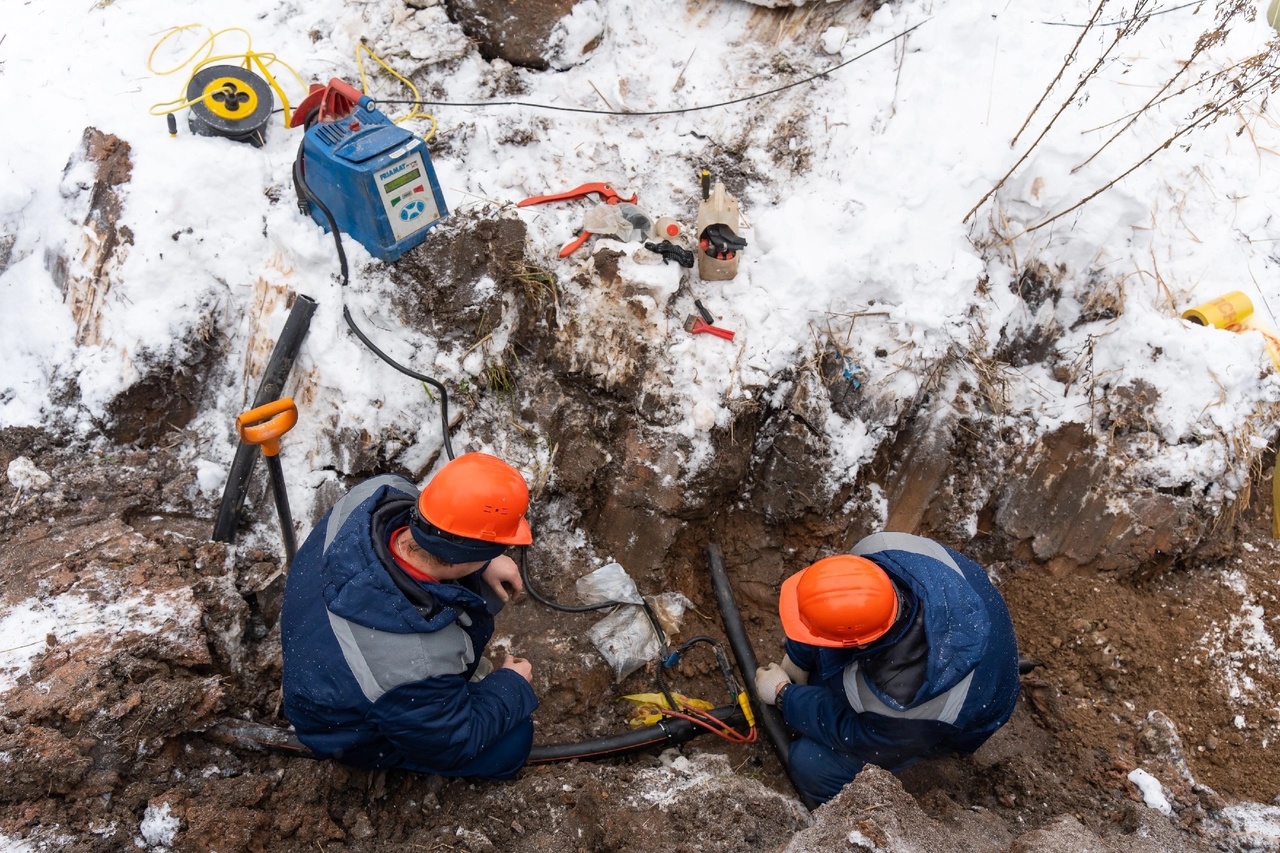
{"points": [[838, 602], [478, 496]]}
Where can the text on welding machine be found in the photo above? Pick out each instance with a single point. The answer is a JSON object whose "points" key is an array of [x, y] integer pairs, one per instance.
{"points": [[375, 177]]}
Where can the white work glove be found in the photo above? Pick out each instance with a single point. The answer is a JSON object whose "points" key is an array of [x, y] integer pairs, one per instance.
{"points": [[793, 670], [769, 680]]}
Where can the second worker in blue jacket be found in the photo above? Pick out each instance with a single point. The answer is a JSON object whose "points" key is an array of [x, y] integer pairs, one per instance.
{"points": [[900, 651], [387, 611]]}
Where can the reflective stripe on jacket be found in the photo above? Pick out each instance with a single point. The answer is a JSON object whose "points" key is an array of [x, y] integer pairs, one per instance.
{"points": [[970, 679], [376, 679]]}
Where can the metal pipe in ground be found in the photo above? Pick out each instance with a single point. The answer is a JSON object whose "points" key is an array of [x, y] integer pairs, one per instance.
{"points": [[768, 716]]}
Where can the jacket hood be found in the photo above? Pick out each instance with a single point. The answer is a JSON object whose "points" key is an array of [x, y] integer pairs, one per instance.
{"points": [[358, 584], [956, 623]]}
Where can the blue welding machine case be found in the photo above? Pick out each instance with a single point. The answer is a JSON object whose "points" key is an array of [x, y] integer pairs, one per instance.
{"points": [[376, 179]]}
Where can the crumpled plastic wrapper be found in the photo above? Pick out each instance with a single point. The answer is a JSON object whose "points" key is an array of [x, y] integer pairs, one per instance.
{"points": [[625, 638]]}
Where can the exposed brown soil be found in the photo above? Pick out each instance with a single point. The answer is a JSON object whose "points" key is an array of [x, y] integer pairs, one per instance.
{"points": [[112, 726]]}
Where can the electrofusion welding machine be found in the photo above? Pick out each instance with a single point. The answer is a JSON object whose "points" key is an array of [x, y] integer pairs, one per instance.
{"points": [[375, 177]]}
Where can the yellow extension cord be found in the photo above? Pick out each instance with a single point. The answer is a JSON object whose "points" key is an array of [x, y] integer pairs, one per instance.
{"points": [[251, 60], [417, 98]]}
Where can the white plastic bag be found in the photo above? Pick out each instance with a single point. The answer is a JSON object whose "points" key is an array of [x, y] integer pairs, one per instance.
{"points": [[608, 583], [624, 221], [625, 637]]}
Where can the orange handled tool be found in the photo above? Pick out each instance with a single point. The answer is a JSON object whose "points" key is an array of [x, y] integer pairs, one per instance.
{"points": [[697, 326], [606, 192], [264, 426]]}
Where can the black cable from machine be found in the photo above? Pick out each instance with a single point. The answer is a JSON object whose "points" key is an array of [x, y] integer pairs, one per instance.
{"points": [[563, 608], [307, 196], [667, 112], [584, 608], [769, 717]]}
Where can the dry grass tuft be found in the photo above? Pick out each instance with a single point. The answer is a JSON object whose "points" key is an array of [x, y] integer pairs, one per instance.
{"points": [[539, 283]]}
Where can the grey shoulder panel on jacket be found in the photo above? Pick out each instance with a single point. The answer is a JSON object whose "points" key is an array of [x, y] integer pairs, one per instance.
{"points": [[361, 493], [382, 661], [905, 542]]}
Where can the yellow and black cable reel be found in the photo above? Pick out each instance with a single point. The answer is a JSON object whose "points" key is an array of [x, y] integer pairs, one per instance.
{"points": [[230, 102]]}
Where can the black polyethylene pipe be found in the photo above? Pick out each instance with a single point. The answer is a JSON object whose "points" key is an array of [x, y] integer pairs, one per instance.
{"points": [[767, 716], [669, 732], [286, 350]]}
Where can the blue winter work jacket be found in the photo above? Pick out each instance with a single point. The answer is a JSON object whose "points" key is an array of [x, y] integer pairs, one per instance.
{"points": [[942, 680], [377, 664]]}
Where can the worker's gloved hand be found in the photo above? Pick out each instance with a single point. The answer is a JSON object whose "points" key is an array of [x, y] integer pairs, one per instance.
{"points": [[793, 670], [769, 680], [520, 665], [502, 570]]}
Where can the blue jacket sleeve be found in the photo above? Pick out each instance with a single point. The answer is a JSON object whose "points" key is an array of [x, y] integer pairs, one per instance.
{"points": [[804, 656], [819, 714], [448, 720]]}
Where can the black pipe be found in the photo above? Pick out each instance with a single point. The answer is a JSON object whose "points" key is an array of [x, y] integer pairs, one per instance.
{"points": [[669, 732], [282, 508], [767, 716], [269, 389]]}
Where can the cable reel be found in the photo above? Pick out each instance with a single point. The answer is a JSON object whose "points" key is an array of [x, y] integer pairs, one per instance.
{"points": [[230, 102]]}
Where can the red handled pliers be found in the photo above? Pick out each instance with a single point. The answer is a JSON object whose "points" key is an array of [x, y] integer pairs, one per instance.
{"points": [[606, 192]]}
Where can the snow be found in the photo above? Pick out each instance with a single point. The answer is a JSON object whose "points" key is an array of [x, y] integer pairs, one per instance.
{"points": [[24, 475], [666, 785], [25, 626], [1257, 827], [866, 242], [1244, 645], [859, 187], [1153, 793], [158, 827]]}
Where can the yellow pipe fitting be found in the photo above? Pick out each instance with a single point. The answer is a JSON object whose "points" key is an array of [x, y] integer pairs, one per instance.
{"points": [[1221, 313]]}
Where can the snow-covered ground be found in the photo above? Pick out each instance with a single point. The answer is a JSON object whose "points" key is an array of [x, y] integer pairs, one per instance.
{"points": [[860, 198], [858, 191]]}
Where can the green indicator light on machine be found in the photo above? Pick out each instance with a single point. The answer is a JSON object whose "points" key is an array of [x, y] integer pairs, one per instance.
{"points": [[396, 184]]}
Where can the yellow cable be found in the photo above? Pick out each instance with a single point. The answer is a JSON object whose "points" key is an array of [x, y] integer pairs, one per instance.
{"points": [[417, 98], [248, 60], [173, 31]]}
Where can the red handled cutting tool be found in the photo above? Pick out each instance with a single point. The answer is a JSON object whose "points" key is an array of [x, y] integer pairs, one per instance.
{"points": [[606, 192]]}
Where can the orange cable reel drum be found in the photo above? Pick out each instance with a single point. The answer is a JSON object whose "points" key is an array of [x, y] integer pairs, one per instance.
{"points": [[478, 496], [839, 602]]}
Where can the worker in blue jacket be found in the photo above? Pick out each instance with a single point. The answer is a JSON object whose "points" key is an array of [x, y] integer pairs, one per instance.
{"points": [[387, 611], [900, 651]]}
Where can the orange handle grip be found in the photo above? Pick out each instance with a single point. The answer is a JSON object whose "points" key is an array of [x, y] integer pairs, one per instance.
{"points": [[573, 245], [265, 424]]}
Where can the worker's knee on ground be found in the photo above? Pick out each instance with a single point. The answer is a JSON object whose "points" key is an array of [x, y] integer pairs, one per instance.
{"points": [[504, 758], [818, 771]]}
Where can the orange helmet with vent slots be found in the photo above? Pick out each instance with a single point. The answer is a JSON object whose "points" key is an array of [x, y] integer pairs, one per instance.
{"points": [[838, 602], [478, 496]]}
